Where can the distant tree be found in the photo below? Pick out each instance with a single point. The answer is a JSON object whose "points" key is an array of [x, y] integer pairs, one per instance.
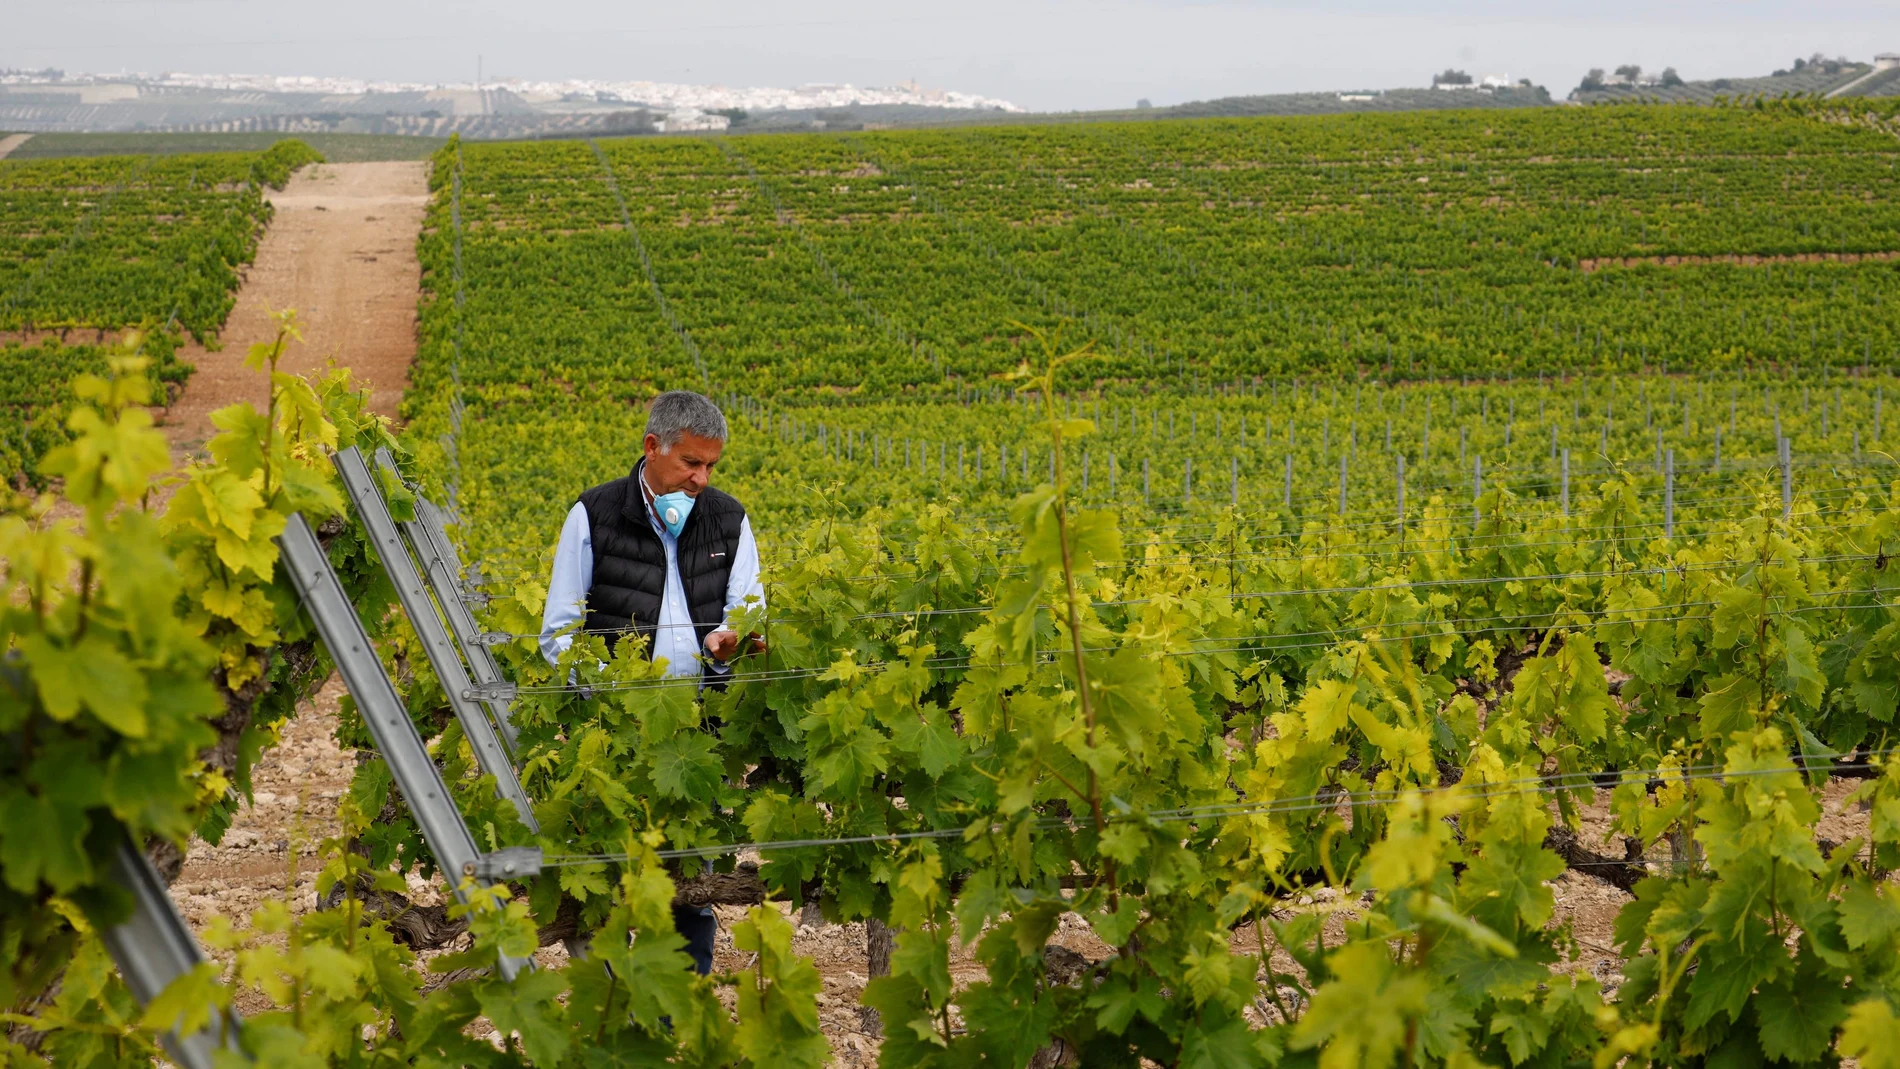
{"points": [[733, 115], [1592, 80], [1538, 92], [1451, 77], [1630, 73], [1817, 62], [1144, 104], [1670, 77]]}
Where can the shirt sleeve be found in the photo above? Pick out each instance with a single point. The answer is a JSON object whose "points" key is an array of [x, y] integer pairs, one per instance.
{"points": [[568, 584], [744, 580]]}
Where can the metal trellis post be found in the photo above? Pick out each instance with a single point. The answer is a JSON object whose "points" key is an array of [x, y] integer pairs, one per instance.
{"points": [[153, 947], [1401, 495], [1787, 478], [1566, 483], [388, 721], [441, 564], [421, 610], [1669, 494], [1477, 487]]}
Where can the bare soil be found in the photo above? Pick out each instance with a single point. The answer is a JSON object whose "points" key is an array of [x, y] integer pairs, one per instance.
{"points": [[341, 250], [270, 850], [1745, 259]]}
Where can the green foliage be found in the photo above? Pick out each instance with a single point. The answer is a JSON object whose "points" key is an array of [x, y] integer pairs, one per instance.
{"points": [[106, 692], [1304, 768], [107, 242], [130, 631]]}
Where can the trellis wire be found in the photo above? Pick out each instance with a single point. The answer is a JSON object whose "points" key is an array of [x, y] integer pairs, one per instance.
{"points": [[1553, 783]]}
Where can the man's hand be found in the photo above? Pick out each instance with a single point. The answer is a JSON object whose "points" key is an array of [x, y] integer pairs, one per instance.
{"points": [[723, 644]]}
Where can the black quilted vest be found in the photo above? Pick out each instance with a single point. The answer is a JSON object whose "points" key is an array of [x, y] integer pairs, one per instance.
{"points": [[630, 563]]}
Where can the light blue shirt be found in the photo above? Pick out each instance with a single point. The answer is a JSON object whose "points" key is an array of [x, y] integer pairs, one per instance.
{"points": [[675, 642]]}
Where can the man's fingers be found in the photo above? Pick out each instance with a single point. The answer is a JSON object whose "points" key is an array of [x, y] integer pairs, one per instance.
{"points": [[721, 644]]}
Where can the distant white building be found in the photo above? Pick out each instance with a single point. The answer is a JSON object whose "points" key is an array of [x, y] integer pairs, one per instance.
{"points": [[1495, 81], [687, 120], [1887, 61]]}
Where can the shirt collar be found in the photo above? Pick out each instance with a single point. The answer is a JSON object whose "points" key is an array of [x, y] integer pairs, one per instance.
{"points": [[647, 495]]}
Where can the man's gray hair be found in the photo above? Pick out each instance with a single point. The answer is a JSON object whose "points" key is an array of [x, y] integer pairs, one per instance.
{"points": [[678, 412]]}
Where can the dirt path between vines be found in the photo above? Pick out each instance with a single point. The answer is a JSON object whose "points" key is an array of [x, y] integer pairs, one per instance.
{"points": [[1746, 259], [341, 250]]}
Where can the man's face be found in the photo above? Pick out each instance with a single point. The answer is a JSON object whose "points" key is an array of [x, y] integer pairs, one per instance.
{"points": [[687, 466]]}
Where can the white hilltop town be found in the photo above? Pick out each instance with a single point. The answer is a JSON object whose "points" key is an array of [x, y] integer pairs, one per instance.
{"points": [[677, 106]]}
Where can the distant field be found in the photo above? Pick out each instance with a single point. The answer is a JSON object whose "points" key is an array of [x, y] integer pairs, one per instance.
{"points": [[90, 246], [337, 148], [867, 283], [1416, 244]]}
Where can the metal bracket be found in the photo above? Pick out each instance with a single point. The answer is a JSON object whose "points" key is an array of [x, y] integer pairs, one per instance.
{"points": [[492, 638], [422, 614], [508, 863], [489, 692], [154, 947], [309, 570]]}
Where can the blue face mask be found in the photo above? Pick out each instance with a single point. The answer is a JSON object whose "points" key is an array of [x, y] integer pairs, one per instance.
{"points": [[672, 509]]}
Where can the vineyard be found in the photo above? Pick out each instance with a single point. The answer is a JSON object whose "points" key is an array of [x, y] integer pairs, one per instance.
{"points": [[92, 246], [1219, 578], [1405, 247]]}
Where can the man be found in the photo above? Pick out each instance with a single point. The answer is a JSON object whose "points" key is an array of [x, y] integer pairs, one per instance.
{"points": [[661, 555]]}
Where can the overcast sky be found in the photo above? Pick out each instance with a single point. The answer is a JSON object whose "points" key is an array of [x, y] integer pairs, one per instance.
{"points": [[1042, 55]]}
